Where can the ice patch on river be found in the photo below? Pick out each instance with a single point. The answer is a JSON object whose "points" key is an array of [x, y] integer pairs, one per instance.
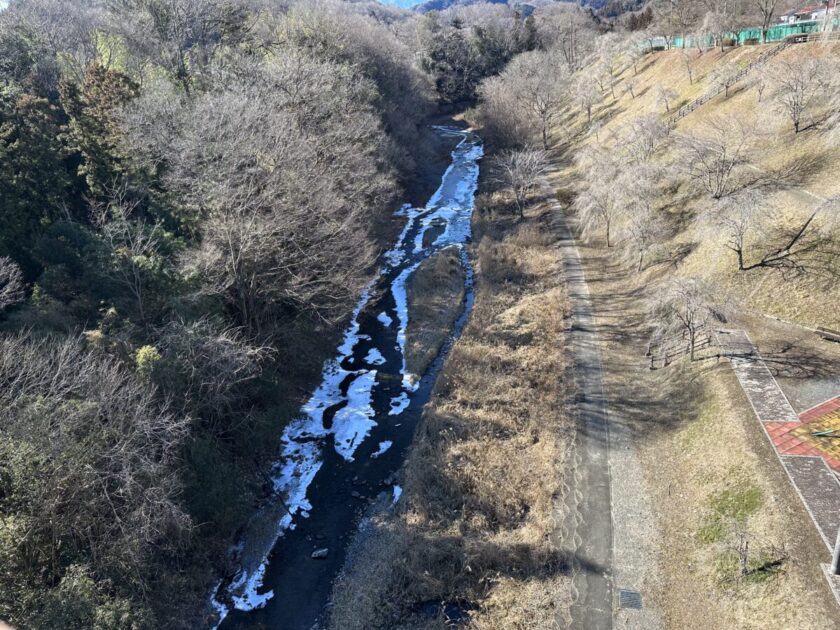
{"points": [[383, 447], [353, 423], [349, 394], [400, 293], [374, 357], [250, 599], [399, 404]]}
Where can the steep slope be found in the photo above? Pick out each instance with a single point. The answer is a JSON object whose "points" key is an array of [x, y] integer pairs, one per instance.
{"points": [[813, 154]]}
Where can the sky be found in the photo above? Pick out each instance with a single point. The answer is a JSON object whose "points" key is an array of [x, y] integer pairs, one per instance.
{"points": [[405, 4]]}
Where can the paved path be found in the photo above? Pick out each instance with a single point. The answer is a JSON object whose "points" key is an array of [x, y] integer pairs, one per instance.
{"points": [[585, 532], [607, 525], [807, 462]]}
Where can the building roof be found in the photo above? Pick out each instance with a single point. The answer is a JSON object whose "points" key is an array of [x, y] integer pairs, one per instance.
{"points": [[811, 8]]}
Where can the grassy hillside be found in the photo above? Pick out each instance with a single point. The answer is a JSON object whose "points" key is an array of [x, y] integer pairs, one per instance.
{"points": [[813, 152], [708, 467]]}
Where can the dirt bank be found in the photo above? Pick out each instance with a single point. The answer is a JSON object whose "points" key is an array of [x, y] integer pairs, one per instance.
{"points": [[470, 535], [435, 297]]}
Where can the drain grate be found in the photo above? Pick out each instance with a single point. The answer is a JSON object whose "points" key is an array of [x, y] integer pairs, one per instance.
{"points": [[629, 599]]}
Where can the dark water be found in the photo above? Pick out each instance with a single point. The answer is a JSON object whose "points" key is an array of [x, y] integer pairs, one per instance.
{"points": [[353, 432]]}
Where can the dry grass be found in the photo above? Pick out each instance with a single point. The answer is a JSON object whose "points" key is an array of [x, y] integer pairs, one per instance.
{"points": [[473, 527], [435, 297], [696, 433], [701, 445], [813, 153]]}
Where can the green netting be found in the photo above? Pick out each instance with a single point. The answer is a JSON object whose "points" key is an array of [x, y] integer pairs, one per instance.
{"points": [[774, 34]]}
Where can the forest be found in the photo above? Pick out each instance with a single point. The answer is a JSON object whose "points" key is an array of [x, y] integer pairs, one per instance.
{"points": [[190, 199], [193, 194]]}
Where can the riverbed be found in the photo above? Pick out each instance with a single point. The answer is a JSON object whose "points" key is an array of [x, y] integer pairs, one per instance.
{"points": [[351, 436]]}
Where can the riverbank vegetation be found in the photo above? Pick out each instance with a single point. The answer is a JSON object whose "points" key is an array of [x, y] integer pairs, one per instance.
{"points": [[436, 293], [470, 537], [193, 196]]}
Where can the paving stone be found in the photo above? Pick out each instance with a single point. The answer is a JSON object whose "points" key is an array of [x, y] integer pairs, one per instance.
{"points": [[808, 459], [818, 487]]}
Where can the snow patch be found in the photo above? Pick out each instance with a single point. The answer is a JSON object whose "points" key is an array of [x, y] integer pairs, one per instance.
{"points": [[353, 423], [399, 404], [374, 357], [220, 609], [384, 318], [397, 493], [400, 293], [383, 446], [396, 254], [248, 585]]}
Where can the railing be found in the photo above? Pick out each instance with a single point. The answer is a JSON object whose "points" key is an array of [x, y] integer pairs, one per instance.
{"points": [[662, 352], [685, 110]]}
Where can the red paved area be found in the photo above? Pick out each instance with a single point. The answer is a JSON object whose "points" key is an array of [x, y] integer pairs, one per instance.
{"points": [[795, 438], [820, 410]]}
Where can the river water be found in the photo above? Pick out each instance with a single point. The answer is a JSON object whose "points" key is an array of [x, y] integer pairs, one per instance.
{"points": [[352, 433]]}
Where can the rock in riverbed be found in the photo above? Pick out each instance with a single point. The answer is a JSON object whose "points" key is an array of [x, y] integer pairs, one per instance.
{"points": [[320, 554]]}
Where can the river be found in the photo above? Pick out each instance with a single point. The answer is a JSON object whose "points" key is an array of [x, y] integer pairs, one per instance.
{"points": [[353, 432]]}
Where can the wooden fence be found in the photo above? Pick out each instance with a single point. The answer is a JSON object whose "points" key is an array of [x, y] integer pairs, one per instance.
{"points": [[663, 352]]}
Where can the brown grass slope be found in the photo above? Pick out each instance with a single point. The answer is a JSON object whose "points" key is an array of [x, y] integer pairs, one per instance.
{"points": [[708, 469], [813, 153]]}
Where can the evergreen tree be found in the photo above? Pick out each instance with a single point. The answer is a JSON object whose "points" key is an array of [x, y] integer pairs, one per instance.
{"points": [[35, 183], [94, 109]]}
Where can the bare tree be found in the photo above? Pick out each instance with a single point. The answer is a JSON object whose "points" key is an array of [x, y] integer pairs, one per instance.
{"points": [[569, 29], [635, 52], [645, 232], [767, 10], [521, 172], [11, 283], [65, 31], [801, 88], [809, 245], [723, 17], [666, 96], [642, 137], [684, 308], [717, 157], [687, 62], [207, 371], [612, 50], [602, 75], [586, 95], [761, 82], [600, 202], [724, 76], [675, 17], [526, 95]]}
